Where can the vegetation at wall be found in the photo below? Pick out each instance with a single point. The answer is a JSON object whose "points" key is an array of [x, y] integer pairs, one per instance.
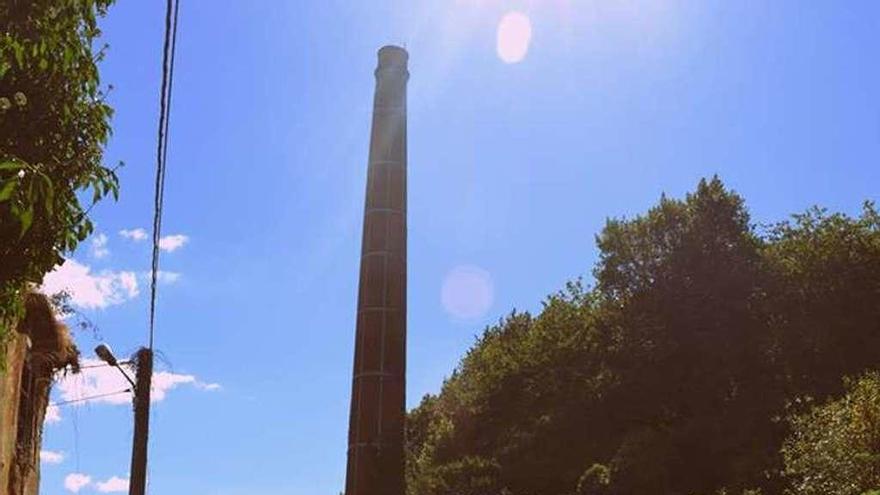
{"points": [[54, 123], [704, 344]]}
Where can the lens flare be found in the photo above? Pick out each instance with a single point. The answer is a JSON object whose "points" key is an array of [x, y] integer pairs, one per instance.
{"points": [[467, 292], [513, 37]]}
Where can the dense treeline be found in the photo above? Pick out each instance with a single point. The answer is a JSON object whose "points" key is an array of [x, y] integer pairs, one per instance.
{"points": [[682, 371]]}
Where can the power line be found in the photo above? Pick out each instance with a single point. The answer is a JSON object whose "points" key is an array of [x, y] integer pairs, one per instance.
{"points": [[141, 440], [171, 16], [91, 397], [103, 365]]}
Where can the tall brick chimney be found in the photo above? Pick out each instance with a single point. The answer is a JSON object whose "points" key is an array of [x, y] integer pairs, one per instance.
{"points": [[376, 424]]}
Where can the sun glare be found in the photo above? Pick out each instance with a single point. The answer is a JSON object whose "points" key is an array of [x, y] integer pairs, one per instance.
{"points": [[467, 292], [513, 37]]}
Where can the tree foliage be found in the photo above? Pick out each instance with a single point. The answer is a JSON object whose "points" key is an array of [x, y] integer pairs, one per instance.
{"points": [[54, 123], [671, 374], [835, 447]]}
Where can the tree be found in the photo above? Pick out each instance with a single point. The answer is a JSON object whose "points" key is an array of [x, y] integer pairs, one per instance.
{"points": [[835, 447], [681, 285], [671, 374], [824, 299], [54, 123]]}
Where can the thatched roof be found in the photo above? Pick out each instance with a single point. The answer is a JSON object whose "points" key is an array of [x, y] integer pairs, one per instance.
{"points": [[50, 338]]}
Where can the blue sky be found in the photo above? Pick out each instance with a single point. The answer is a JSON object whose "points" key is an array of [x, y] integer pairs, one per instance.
{"points": [[513, 169]]}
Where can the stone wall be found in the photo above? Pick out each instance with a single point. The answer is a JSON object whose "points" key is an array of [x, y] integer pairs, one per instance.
{"points": [[40, 346], [10, 383]]}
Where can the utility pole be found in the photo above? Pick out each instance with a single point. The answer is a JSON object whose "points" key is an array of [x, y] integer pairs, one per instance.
{"points": [[143, 378]]}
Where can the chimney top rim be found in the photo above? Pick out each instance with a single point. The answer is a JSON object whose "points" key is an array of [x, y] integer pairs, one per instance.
{"points": [[392, 55]]}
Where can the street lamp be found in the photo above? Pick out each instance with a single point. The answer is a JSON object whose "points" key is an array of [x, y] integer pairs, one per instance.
{"points": [[103, 351], [141, 390]]}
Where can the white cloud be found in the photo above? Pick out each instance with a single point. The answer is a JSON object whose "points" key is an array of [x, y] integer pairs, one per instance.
{"points": [[99, 246], [114, 484], [164, 381], [94, 380], [53, 415], [51, 457], [172, 242], [99, 384], [135, 235], [74, 482], [89, 290], [167, 277], [211, 387], [164, 276]]}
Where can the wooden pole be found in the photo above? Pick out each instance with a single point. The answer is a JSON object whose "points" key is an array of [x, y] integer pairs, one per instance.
{"points": [[143, 380]]}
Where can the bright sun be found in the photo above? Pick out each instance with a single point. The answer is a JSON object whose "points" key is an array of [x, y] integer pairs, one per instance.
{"points": [[513, 37]]}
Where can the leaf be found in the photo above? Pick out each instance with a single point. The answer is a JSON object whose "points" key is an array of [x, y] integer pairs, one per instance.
{"points": [[96, 194], [30, 192], [19, 54], [49, 200], [6, 190], [26, 218]]}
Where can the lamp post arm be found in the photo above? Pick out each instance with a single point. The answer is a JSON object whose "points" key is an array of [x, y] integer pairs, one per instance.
{"points": [[133, 386]]}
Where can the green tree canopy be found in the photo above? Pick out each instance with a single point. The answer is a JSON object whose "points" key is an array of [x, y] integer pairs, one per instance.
{"points": [[54, 123], [835, 447], [671, 373]]}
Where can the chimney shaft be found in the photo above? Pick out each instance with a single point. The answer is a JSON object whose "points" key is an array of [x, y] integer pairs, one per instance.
{"points": [[376, 424]]}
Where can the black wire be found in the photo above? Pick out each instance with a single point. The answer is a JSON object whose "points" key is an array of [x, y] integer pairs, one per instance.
{"points": [[171, 15], [170, 86], [104, 365], [91, 397]]}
